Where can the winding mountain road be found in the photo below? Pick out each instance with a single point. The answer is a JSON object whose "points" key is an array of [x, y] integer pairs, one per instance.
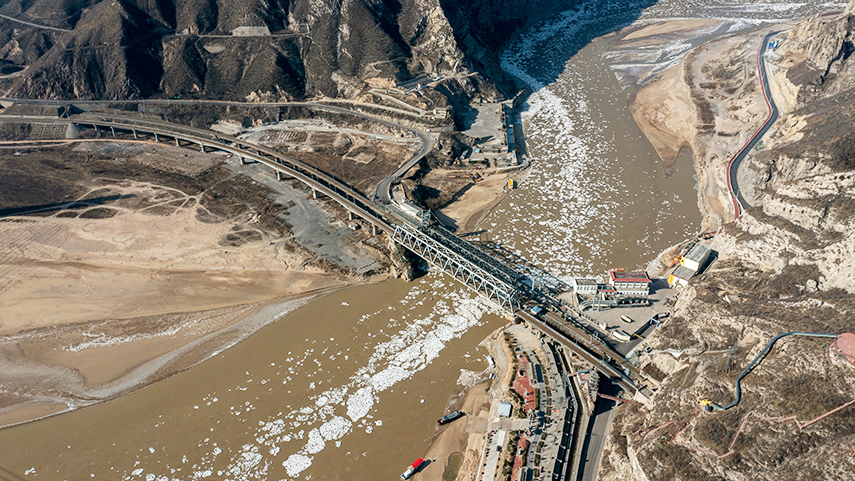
{"points": [[739, 202]]}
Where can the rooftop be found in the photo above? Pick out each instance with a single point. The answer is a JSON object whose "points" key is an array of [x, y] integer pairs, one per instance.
{"points": [[698, 253], [628, 276], [504, 409], [683, 272]]}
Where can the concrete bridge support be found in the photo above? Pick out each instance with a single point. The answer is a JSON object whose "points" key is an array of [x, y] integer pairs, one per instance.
{"points": [[350, 215], [314, 194], [202, 148], [113, 130], [177, 142], [242, 160], [135, 134], [155, 138], [279, 175]]}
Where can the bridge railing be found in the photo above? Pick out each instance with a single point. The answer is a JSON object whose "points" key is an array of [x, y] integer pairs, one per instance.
{"points": [[459, 266]]}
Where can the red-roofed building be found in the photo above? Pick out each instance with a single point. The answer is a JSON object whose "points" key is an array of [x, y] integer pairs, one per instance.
{"points": [[845, 345], [630, 283]]}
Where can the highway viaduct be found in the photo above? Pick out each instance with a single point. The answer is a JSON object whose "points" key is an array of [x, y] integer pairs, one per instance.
{"points": [[462, 263]]}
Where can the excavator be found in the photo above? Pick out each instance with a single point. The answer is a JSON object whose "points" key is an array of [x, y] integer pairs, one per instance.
{"points": [[706, 404]]}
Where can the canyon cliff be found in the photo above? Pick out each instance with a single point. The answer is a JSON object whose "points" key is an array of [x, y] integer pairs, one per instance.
{"points": [[785, 264], [272, 49]]}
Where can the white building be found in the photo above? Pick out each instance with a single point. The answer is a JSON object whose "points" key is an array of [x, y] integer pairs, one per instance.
{"points": [[690, 264], [630, 283], [696, 257], [584, 287]]}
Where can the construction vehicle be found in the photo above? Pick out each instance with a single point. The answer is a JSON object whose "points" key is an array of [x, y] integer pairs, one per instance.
{"points": [[706, 404]]}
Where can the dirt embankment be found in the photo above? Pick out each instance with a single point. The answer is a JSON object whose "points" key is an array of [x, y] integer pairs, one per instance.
{"points": [[784, 265], [125, 263], [710, 103]]}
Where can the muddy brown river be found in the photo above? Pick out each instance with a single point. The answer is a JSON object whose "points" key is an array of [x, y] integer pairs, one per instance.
{"points": [[597, 196], [349, 386]]}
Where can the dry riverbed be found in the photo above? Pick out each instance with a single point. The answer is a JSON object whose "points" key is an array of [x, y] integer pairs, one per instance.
{"points": [[166, 258]]}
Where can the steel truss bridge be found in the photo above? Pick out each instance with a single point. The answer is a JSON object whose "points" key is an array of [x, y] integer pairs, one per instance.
{"points": [[477, 272], [508, 282]]}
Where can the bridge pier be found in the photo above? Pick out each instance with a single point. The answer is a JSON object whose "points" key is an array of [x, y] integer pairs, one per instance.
{"points": [[314, 194], [350, 215], [135, 134], [373, 229], [279, 175], [113, 130], [202, 147], [177, 142], [155, 137], [242, 160]]}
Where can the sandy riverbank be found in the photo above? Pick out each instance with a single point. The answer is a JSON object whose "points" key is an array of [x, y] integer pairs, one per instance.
{"points": [[471, 208], [150, 274], [457, 448], [709, 103]]}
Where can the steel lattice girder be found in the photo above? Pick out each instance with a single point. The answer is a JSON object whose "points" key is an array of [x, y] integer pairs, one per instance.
{"points": [[461, 268], [475, 255]]}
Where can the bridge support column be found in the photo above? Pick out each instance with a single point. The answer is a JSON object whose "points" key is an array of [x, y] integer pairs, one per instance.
{"points": [[202, 146], [113, 130], [177, 142], [349, 215], [96, 129], [242, 160], [155, 138], [373, 229], [279, 175], [135, 134], [314, 194]]}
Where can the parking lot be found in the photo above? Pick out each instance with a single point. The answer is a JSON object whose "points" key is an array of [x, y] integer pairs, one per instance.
{"points": [[659, 293]]}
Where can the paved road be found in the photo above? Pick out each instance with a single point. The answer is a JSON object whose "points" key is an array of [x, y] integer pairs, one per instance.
{"points": [[35, 25], [381, 193], [739, 202], [570, 340], [592, 449]]}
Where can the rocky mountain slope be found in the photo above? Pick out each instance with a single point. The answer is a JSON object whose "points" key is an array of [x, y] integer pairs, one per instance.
{"points": [[230, 49], [785, 265]]}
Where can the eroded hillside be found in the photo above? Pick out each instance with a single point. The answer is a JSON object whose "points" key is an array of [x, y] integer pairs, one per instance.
{"points": [[278, 50], [785, 264]]}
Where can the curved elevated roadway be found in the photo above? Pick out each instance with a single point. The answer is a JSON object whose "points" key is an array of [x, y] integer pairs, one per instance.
{"points": [[381, 193], [351, 199], [611, 363], [739, 202]]}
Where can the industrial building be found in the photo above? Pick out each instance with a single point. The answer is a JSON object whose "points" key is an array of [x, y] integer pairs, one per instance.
{"points": [[584, 287], [690, 264], [630, 283]]}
